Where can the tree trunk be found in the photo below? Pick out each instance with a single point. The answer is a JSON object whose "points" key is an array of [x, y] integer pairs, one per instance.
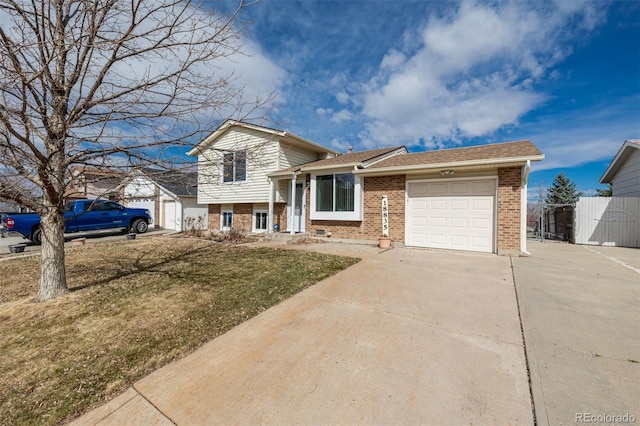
{"points": [[53, 279]]}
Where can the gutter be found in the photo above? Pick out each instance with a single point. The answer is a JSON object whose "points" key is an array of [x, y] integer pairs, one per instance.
{"points": [[355, 165], [418, 167]]}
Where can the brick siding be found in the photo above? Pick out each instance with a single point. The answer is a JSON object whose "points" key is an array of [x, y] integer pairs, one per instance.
{"points": [[370, 228], [243, 216], [509, 209], [214, 217], [394, 188], [280, 215]]}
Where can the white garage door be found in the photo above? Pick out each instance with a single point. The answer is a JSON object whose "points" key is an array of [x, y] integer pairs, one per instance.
{"points": [[454, 214], [143, 203], [170, 216]]}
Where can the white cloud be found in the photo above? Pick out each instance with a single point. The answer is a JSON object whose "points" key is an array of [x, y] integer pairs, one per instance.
{"points": [[342, 98], [474, 72], [341, 116]]}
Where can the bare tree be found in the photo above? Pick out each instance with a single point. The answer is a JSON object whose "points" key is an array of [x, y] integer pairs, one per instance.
{"points": [[106, 84]]}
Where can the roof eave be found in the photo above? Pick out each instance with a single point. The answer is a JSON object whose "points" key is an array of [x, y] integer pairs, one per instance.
{"points": [[418, 167], [320, 148], [377, 159], [623, 153], [279, 133]]}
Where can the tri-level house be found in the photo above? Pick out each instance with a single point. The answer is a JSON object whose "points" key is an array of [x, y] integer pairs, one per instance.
{"points": [[471, 198], [234, 163]]}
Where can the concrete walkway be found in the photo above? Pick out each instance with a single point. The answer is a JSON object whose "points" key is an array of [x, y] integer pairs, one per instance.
{"points": [[404, 337], [581, 318]]}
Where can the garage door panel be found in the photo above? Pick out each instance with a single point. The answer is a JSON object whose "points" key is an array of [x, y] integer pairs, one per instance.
{"points": [[461, 204], [459, 188], [481, 224], [459, 241], [438, 205], [486, 187], [459, 222], [482, 204], [420, 221], [435, 189], [419, 188], [451, 215], [480, 242], [438, 222], [420, 205]]}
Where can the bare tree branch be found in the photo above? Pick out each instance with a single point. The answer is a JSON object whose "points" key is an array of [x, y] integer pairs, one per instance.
{"points": [[109, 86]]}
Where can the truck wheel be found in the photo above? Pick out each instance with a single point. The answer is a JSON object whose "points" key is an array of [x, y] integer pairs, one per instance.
{"points": [[140, 226], [36, 236]]}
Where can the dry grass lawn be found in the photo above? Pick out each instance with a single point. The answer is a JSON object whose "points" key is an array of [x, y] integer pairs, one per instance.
{"points": [[134, 307]]}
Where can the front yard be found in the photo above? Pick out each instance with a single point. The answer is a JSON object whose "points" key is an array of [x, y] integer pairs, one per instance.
{"points": [[134, 307]]}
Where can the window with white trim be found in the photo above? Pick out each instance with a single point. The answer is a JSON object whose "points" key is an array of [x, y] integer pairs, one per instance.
{"points": [[226, 218], [234, 165], [335, 193], [336, 196], [259, 221]]}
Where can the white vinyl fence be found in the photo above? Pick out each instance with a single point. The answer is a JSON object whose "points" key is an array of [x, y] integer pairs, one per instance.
{"points": [[608, 221]]}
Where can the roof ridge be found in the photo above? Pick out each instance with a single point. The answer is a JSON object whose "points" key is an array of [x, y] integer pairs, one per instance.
{"points": [[474, 146]]}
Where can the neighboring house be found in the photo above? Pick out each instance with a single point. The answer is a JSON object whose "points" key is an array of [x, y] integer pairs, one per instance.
{"points": [[464, 199], [170, 197], [623, 172], [12, 207], [233, 165], [613, 221], [91, 183]]}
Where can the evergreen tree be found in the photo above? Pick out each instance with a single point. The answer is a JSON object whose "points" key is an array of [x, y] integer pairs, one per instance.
{"points": [[605, 192], [563, 191]]}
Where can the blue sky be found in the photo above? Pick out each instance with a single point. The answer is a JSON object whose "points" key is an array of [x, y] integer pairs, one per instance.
{"points": [[436, 74]]}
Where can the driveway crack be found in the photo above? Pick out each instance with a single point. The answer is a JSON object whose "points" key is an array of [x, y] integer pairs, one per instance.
{"points": [[524, 346]]}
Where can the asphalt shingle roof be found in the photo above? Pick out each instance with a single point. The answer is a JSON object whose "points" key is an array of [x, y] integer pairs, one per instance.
{"points": [[484, 152], [348, 158], [180, 183]]}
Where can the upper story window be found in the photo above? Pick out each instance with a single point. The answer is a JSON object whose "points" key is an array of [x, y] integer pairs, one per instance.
{"points": [[234, 166]]}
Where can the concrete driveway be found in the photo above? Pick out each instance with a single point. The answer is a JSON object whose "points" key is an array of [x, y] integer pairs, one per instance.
{"points": [[404, 337], [581, 318], [92, 237]]}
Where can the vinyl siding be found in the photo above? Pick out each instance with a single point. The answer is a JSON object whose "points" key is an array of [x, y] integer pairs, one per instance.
{"points": [[265, 154], [140, 187], [282, 190], [261, 150], [290, 156], [626, 182]]}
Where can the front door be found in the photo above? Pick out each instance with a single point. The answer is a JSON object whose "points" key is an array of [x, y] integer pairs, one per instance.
{"points": [[298, 214]]}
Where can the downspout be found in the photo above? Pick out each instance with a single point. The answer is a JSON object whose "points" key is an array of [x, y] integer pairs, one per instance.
{"points": [[523, 207]]}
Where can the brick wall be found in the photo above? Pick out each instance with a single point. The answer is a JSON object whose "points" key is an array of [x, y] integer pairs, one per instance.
{"points": [[509, 209], [280, 215], [214, 217], [370, 228], [243, 216], [394, 188]]}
